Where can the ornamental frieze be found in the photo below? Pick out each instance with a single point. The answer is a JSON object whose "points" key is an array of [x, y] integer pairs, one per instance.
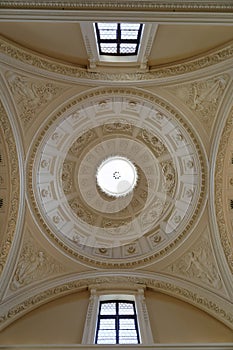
{"points": [[210, 303], [30, 58], [190, 6]]}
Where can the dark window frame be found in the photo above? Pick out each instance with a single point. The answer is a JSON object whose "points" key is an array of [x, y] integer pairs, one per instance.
{"points": [[117, 317], [118, 41]]}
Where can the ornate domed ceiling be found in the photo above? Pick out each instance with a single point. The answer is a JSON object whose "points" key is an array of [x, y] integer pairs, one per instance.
{"points": [[143, 225], [116, 173]]}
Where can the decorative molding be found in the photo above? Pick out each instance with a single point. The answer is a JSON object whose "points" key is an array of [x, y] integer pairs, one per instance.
{"points": [[29, 57], [34, 265], [203, 96], [158, 5], [143, 317], [31, 95], [208, 302], [91, 317], [219, 191], [198, 264], [14, 199], [204, 346]]}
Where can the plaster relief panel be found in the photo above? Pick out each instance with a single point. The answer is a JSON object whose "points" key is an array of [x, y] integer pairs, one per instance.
{"points": [[203, 97], [199, 266], [31, 95], [34, 265]]}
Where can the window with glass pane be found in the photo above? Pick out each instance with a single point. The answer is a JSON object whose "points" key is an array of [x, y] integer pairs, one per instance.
{"points": [[117, 323], [119, 39]]}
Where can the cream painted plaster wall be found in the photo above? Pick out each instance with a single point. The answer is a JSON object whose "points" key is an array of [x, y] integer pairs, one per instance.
{"points": [[58, 322], [174, 321], [62, 322]]}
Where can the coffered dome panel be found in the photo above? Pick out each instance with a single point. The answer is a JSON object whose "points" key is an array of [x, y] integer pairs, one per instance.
{"points": [[87, 222]]}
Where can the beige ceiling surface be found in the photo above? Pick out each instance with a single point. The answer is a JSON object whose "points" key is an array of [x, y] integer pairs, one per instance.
{"points": [[177, 42], [64, 41], [173, 233]]}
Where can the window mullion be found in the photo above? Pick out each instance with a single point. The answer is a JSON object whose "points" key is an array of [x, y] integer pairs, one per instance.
{"points": [[118, 38], [117, 322]]}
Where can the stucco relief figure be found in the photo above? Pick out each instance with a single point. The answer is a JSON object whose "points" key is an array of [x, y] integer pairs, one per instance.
{"points": [[21, 87], [30, 95], [199, 267], [24, 273], [208, 93], [203, 96]]}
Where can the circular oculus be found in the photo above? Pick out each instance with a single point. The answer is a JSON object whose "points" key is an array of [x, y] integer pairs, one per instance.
{"points": [[116, 176]]}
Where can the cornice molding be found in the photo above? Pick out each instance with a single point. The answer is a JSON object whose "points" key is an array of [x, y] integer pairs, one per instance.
{"points": [[28, 58], [157, 5], [203, 299], [205, 346]]}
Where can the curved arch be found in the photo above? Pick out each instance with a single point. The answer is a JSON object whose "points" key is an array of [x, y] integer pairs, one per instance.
{"points": [[205, 300], [17, 185]]}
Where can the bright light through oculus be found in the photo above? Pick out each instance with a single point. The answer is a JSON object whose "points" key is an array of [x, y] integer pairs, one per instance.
{"points": [[116, 176]]}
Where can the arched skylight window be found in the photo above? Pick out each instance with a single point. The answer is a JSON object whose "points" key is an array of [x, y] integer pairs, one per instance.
{"points": [[118, 39]]}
